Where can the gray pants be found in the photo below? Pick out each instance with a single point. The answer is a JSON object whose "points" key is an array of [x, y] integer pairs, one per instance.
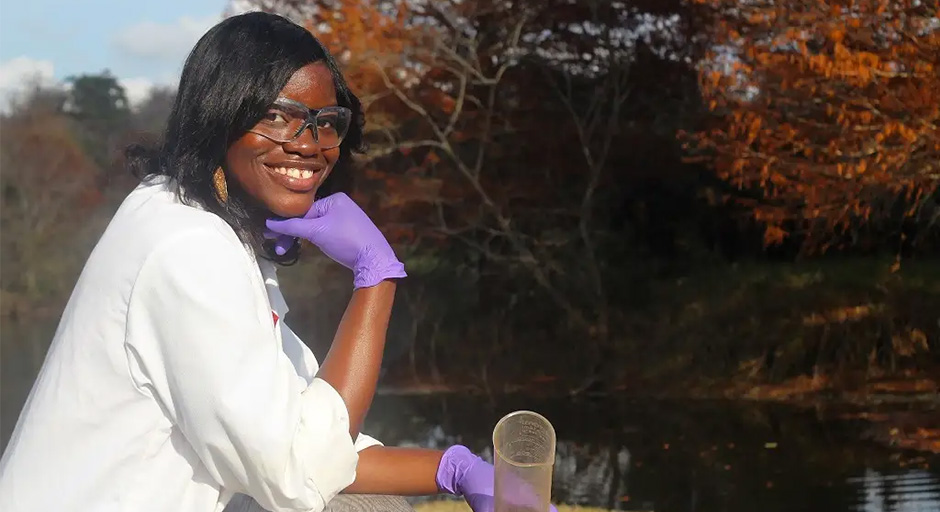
{"points": [[341, 503]]}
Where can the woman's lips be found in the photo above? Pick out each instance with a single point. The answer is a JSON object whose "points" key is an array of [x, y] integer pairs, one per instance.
{"points": [[296, 179]]}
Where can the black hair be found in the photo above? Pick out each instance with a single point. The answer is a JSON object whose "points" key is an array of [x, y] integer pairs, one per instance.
{"points": [[231, 77]]}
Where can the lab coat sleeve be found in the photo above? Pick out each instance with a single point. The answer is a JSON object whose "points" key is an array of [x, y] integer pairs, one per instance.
{"points": [[203, 339], [311, 366], [365, 441]]}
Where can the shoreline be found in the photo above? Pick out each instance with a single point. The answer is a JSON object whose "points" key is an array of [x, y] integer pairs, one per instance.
{"points": [[900, 412], [799, 391]]}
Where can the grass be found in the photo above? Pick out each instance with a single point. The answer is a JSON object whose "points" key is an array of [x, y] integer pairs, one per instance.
{"points": [[461, 506]]}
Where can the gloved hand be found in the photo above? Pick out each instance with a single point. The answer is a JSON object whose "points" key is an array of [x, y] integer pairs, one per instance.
{"points": [[345, 233], [462, 473]]}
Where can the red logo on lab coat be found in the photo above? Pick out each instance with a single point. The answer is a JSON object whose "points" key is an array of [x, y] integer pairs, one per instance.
{"points": [[275, 318]]}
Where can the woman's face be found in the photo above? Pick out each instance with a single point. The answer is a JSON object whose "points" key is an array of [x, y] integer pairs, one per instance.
{"points": [[284, 177]]}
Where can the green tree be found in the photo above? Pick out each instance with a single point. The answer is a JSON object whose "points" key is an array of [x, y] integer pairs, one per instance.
{"points": [[99, 106]]}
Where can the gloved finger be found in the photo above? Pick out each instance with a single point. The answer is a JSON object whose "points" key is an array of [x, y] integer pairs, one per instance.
{"points": [[480, 502], [283, 244], [295, 227], [321, 206], [485, 503]]}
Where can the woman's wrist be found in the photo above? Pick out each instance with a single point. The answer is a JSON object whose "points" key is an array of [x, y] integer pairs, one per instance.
{"points": [[396, 471], [366, 276]]}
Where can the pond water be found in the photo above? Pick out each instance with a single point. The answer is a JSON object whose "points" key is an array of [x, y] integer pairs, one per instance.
{"points": [[696, 456], [657, 456]]}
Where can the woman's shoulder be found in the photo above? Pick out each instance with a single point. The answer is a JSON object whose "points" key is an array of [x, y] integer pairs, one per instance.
{"points": [[159, 200], [153, 220], [154, 242]]}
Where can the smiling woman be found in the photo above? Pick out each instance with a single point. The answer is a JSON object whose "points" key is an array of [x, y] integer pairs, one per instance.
{"points": [[173, 381], [221, 121]]}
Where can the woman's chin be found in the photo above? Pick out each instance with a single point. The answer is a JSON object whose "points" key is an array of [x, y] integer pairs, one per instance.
{"points": [[295, 207]]}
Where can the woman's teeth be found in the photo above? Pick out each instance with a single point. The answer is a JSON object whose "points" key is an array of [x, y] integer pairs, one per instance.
{"points": [[302, 174]]}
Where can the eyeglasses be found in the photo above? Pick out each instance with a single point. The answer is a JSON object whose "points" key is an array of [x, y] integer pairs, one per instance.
{"points": [[286, 119]]}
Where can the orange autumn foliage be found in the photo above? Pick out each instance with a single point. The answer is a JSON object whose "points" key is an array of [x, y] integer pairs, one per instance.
{"points": [[363, 35], [368, 39], [50, 193], [829, 110]]}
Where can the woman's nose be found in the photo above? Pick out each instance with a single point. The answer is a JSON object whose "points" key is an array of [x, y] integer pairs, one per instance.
{"points": [[305, 143]]}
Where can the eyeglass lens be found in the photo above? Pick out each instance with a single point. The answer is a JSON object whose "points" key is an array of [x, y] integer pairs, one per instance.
{"points": [[284, 122]]}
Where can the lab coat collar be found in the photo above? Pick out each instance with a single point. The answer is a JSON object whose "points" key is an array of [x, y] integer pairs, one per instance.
{"points": [[269, 273]]}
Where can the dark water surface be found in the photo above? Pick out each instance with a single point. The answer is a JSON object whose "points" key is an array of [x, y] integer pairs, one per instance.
{"points": [[685, 456], [660, 456]]}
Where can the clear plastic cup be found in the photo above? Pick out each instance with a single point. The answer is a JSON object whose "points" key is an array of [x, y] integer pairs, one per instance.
{"points": [[524, 453]]}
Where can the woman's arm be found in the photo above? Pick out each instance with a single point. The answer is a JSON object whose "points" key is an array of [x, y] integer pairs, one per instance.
{"points": [[456, 471], [352, 364], [396, 471], [345, 234]]}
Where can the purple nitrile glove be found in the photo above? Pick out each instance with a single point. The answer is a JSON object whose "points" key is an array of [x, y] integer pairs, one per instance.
{"points": [[345, 233], [462, 473], [282, 243]]}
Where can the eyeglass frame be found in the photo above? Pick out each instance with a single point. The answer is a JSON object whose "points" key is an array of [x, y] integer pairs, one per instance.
{"points": [[310, 121]]}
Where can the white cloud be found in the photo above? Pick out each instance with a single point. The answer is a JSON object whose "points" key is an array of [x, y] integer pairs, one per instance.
{"points": [[298, 13], [21, 74], [162, 41], [136, 89], [236, 7]]}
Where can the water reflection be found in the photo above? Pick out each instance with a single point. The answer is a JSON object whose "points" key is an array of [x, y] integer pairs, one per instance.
{"points": [[684, 457], [583, 471], [909, 491]]}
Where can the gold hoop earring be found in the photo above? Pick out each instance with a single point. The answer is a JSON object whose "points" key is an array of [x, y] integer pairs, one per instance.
{"points": [[221, 187]]}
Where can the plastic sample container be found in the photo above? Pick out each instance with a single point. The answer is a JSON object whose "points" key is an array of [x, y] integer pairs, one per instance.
{"points": [[524, 453]]}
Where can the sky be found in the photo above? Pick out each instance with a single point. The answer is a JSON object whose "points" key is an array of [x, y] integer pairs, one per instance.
{"points": [[142, 43]]}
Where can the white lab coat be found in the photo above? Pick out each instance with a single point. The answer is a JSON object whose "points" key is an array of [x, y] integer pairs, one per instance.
{"points": [[173, 382]]}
